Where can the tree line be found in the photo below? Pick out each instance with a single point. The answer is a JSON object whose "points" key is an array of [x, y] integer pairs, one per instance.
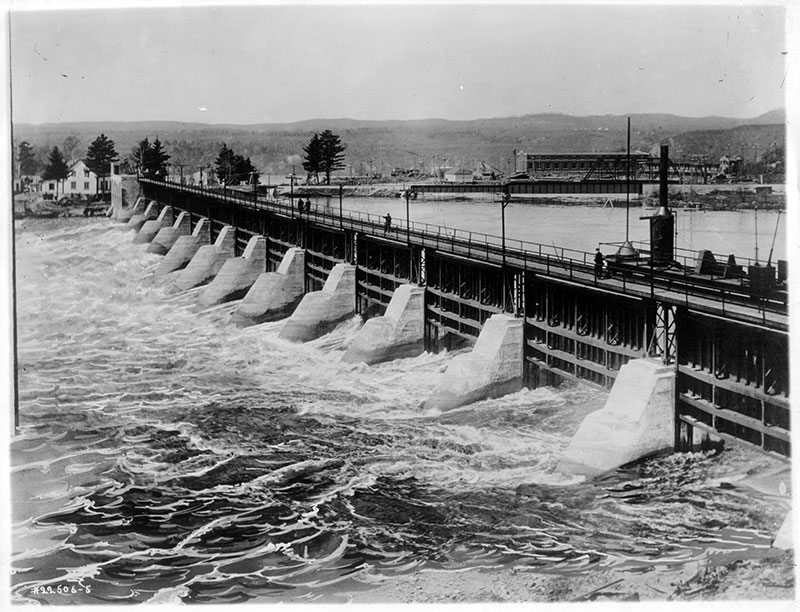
{"points": [[323, 155]]}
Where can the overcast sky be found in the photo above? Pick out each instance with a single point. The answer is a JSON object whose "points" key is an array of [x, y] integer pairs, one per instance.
{"points": [[274, 63]]}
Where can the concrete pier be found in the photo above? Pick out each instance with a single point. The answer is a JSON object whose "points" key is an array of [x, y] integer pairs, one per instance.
{"points": [[167, 236], [150, 228], [208, 260], [185, 247], [275, 295], [136, 217], [638, 420], [125, 192], [399, 333], [492, 369], [320, 311], [237, 275]]}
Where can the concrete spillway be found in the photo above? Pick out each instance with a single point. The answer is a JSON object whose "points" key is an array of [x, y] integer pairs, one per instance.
{"points": [[397, 334], [150, 228], [275, 295], [137, 214], [166, 237], [637, 420], [208, 261], [320, 311], [185, 247], [237, 275], [492, 369]]}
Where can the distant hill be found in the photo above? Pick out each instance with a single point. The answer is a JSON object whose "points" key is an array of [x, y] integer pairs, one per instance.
{"points": [[381, 145]]}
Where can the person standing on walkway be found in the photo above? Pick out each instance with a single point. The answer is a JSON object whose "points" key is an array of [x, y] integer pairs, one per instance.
{"points": [[387, 224], [598, 264]]}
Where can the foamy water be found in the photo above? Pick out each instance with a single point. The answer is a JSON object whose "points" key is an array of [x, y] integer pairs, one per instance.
{"points": [[167, 455]]}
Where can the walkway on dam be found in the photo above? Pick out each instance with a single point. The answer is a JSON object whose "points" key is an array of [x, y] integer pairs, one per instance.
{"points": [[728, 298]]}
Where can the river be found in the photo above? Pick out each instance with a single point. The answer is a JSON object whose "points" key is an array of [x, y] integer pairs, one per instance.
{"points": [[582, 228], [165, 455]]}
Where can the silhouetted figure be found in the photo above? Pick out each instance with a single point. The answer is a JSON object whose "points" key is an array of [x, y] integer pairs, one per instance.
{"points": [[387, 223], [300, 206], [598, 264]]}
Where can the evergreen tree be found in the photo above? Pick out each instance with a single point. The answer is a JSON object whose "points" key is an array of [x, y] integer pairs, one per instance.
{"points": [[56, 168], [99, 156], [26, 159], [244, 171], [157, 159], [139, 156], [226, 164], [313, 159], [332, 154]]}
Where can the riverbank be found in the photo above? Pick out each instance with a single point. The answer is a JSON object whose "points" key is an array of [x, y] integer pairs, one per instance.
{"points": [[769, 578], [32, 205], [711, 198]]}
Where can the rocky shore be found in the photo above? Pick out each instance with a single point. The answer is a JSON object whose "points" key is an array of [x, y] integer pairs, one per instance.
{"points": [[32, 205]]}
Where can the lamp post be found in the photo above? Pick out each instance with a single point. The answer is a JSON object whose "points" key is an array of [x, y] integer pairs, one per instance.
{"points": [[341, 190], [626, 251], [291, 191], [506, 198]]}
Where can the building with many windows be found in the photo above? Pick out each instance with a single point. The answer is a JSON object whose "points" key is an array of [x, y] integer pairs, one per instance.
{"points": [[81, 181]]}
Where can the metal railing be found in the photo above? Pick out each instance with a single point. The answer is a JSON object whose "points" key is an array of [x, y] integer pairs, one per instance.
{"points": [[639, 280]]}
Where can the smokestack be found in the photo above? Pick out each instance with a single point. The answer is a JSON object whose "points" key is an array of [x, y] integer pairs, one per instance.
{"points": [[662, 225], [663, 190]]}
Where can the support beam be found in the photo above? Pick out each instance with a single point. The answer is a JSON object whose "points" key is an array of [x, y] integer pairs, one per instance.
{"points": [[237, 275], [399, 333], [320, 312], [492, 369], [208, 261], [274, 295]]}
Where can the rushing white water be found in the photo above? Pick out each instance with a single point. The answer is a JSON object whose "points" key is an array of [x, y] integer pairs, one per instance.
{"points": [[165, 454]]}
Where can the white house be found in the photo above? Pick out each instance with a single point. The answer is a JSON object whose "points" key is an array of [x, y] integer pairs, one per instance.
{"points": [[81, 181], [202, 178]]}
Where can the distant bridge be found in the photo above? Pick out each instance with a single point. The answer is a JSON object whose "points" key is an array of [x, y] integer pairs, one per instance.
{"points": [[540, 187]]}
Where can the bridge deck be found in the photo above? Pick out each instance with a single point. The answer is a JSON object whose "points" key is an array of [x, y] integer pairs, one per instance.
{"points": [[721, 297]]}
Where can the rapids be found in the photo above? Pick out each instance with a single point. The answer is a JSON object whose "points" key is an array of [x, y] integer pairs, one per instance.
{"points": [[166, 455]]}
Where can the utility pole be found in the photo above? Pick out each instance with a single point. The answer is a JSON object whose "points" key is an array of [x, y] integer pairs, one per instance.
{"points": [[506, 198], [180, 168]]}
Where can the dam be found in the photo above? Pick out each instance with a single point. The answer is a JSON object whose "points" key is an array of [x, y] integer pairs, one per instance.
{"points": [[700, 339]]}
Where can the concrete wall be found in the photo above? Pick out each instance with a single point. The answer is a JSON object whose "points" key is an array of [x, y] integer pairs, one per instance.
{"points": [[237, 275], [492, 369], [399, 333], [185, 247], [125, 191], [320, 311], [638, 420], [166, 237], [208, 261], [275, 295]]}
